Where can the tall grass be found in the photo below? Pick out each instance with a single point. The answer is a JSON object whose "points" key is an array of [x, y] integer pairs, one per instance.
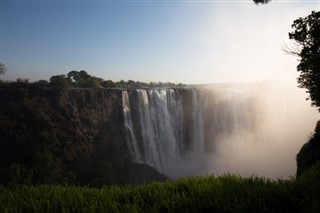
{"points": [[227, 193]]}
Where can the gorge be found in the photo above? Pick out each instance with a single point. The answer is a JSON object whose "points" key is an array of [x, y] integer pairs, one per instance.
{"points": [[103, 136]]}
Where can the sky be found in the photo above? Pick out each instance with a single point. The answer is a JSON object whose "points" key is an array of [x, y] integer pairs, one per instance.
{"points": [[189, 42]]}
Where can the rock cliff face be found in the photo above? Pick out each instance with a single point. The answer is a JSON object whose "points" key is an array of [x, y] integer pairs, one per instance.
{"points": [[75, 135]]}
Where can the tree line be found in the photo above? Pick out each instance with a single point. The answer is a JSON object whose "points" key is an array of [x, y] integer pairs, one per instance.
{"points": [[81, 79]]}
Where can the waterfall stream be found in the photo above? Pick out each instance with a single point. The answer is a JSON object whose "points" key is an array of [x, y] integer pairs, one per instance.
{"points": [[172, 124], [187, 131]]}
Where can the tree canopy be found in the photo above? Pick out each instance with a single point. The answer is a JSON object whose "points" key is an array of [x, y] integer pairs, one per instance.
{"points": [[81, 79], [261, 1], [306, 34]]}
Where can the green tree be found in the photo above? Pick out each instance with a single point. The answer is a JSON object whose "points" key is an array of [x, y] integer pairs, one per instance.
{"points": [[306, 35], [108, 84], [121, 83], [91, 82], [59, 82], [83, 79], [78, 77]]}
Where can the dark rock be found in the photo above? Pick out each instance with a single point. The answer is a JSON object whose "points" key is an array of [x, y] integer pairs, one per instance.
{"points": [[77, 127]]}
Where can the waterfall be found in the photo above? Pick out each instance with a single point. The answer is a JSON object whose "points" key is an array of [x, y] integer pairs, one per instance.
{"points": [[195, 131], [131, 138], [170, 125], [197, 127]]}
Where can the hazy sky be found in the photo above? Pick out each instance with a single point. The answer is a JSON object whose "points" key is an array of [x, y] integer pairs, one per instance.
{"points": [[177, 41]]}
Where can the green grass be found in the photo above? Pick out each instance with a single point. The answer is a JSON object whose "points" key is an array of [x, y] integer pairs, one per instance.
{"points": [[227, 193]]}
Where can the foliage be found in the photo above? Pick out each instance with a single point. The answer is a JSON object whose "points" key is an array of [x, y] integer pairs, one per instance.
{"points": [[102, 173], [42, 83], [45, 165], [59, 82], [22, 81], [309, 154], [41, 135], [83, 79], [27, 150], [261, 1], [308, 185], [108, 84], [227, 193], [93, 172], [306, 35]]}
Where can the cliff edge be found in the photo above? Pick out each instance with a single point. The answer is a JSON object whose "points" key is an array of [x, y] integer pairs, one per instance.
{"points": [[74, 136]]}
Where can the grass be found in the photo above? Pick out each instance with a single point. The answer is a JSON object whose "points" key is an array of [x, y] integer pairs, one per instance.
{"points": [[227, 193]]}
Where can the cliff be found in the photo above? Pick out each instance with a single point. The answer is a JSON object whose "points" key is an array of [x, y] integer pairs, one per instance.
{"points": [[74, 136]]}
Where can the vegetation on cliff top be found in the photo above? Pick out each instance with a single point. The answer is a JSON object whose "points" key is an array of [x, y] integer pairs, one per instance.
{"points": [[81, 79]]}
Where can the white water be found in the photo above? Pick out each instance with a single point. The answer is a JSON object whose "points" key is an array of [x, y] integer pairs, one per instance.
{"points": [[204, 131]]}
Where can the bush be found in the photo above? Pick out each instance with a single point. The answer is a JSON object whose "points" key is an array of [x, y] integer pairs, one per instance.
{"points": [[309, 154]]}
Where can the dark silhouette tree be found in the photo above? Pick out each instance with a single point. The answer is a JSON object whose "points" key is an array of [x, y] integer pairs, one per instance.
{"points": [[3, 69], [261, 1], [306, 35], [309, 154]]}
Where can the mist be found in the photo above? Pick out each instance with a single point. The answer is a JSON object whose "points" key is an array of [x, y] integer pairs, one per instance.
{"points": [[283, 122]]}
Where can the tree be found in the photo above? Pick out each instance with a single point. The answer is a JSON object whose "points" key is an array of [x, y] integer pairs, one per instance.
{"points": [[3, 69], [309, 154], [91, 82], [42, 83], [83, 79], [78, 78], [59, 82], [261, 1], [306, 34], [108, 84]]}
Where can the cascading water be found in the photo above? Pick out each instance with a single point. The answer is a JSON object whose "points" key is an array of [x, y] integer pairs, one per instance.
{"points": [[167, 128], [131, 138], [199, 131]]}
